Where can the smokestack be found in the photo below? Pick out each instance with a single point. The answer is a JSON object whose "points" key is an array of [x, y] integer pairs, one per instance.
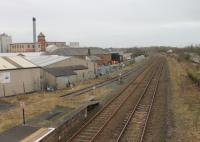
{"points": [[34, 31]]}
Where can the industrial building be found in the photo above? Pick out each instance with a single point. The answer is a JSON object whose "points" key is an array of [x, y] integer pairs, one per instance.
{"points": [[105, 56], [63, 68], [35, 46], [18, 76], [49, 61], [40, 45], [74, 44], [5, 42], [62, 77], [127, 56]]}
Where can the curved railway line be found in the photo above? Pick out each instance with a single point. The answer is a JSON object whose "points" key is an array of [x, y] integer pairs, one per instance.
{"points": [[135, 117]]}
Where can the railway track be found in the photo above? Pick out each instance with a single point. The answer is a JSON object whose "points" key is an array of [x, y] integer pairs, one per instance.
{"points": [[89, 131], [106, 82], [135, 124]]}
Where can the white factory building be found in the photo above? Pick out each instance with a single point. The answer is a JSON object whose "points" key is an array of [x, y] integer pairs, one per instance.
{"points": [[5, 42], [58, 71], [18, 76], [52, 70]]}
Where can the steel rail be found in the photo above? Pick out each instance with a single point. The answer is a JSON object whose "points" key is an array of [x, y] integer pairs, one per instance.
{"points": [[105, 124], [149, 111], [112, 100], [136, 106], [103, 83]]}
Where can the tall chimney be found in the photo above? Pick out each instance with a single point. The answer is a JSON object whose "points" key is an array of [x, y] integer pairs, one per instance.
{"points": [[34, 31]]}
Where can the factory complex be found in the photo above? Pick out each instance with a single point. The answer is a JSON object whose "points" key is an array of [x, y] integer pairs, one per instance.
{"points": [[44, 65], [22, 73]]}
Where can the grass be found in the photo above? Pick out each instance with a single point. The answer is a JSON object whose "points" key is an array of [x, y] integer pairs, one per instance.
{"points": [[185, 104], [40, 102], [37, 104]]}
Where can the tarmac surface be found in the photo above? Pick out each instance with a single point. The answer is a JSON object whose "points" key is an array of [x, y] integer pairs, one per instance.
{"points": [[17, 133]]}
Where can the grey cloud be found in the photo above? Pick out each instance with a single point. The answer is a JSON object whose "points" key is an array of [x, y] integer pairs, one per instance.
{"points": [[104, 22]]}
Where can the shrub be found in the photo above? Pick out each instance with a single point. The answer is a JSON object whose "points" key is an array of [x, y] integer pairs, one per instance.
{"points": [[193, 75]]}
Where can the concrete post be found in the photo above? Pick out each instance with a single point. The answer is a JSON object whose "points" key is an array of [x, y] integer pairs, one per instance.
{"points": [[4, 90], [24, 88], [94, 90]]}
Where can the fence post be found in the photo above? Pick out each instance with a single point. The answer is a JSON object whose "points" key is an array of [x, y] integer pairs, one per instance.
{"points": [[4, 91]]}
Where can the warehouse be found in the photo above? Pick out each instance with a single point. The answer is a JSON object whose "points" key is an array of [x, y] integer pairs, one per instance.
{"points": [[104, 55], [62, 77], [84, 69], [54, 60], [18, 76]]}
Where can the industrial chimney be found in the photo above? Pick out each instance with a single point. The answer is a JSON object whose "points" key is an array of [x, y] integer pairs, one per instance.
{"points": [[34, 31]]}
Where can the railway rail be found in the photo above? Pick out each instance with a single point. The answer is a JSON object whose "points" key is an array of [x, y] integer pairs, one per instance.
{"points": [[90, 130], [106, 82], [136, 123]]}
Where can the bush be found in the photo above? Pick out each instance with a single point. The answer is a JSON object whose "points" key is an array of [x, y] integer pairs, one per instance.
{"points": [[183, 57], [193, 75]]}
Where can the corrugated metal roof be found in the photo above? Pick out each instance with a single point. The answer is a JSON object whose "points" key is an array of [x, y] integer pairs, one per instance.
{"points": [[65, 71], [22, 53], [6, 65], [93, 58], [22, 62], [77, 51], [57, 72], [14, 62], [45, 60]]}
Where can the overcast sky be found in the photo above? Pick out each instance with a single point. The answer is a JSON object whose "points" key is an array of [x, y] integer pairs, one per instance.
{"points": [[105, 23]]}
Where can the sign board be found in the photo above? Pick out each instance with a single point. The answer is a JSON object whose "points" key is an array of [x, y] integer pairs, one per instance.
{"points": [[5, 77]]}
